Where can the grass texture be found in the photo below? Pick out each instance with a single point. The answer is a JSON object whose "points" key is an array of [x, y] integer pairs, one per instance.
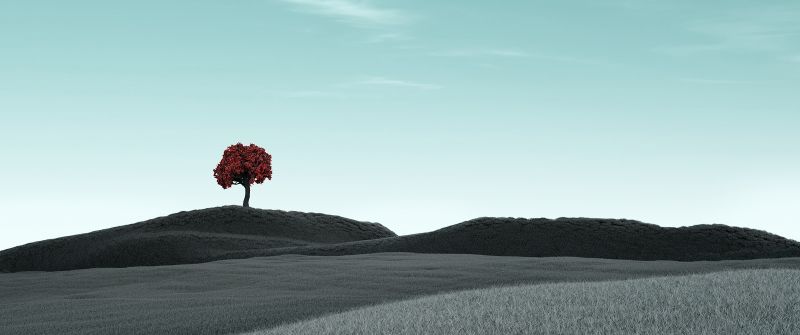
{"points": [[234, 296], [731, 302]]}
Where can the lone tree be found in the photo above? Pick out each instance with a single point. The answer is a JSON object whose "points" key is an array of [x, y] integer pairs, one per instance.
{"points": [[243, 165]]}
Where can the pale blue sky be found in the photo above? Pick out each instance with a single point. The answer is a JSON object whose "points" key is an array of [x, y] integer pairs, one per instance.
{"points": [[415, 114]]}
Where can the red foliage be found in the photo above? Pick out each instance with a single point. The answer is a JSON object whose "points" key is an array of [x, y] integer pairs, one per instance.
{"points": [[244, 165]]}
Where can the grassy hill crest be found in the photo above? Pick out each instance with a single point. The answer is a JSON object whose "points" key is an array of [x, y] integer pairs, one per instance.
{"points": [[571, 237], [188, 237], [233, 232]]}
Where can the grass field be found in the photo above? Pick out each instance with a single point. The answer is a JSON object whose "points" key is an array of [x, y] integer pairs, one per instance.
{"points": [[234, 296], [731, 302]]}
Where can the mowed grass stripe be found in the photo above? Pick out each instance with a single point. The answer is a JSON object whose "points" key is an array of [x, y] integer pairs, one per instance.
{"points": [[730, 302]]}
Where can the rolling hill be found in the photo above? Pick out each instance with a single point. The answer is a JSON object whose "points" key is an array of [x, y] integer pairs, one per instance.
{"points": [[234, 232], [570, 237], [188, 237]]}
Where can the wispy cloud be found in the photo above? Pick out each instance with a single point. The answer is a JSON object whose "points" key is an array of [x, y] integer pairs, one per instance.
{"points": [[307, 94], [382, 81], [387, 37], [762, 30], [352, 12], [569, 59], [480, 53], [707, 81], [515, 53], [353, 89]]}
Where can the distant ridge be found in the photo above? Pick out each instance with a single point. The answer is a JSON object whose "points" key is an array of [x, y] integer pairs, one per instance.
{"points": [[235, 232], [575, 237], [188, 237]]}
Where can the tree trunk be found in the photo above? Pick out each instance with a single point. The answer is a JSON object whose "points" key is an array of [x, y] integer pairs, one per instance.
{"points": [[246, 202]]}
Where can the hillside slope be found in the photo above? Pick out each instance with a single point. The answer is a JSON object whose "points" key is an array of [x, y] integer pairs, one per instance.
{"points": [[233, 232], [239, 295], [188, 237], [575, 237], [732, 302]]}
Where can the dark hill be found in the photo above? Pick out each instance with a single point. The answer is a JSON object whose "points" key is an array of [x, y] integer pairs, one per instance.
{"points": [[236, 232], [188, 237], [576, 237]]}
